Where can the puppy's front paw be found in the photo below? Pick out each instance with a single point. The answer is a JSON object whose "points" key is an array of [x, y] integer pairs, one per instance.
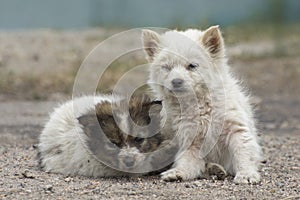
{"points": [[173, 175], [243, 177]]}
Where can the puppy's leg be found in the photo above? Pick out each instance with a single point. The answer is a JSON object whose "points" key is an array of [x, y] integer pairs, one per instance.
{"points": [[187, 166], [245, 154]]}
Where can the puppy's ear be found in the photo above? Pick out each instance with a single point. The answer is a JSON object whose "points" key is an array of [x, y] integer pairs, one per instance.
{"points": [[213, 42], [151, 42], [104, 111]]}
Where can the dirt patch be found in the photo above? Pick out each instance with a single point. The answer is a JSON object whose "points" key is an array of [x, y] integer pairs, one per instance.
{"points": [[21, 178]]}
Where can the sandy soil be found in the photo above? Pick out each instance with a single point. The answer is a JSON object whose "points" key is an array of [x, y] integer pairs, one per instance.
{"points": [[273, 79], [20, 177]]}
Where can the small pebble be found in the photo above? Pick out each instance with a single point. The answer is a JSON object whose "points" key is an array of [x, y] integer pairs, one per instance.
{"points": [[68, 179], [27, 174], [48, 188], [197, 183]]}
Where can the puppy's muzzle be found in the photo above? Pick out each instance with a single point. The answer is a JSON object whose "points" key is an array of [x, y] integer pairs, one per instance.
{"points": [[129, 161], [177, 83]]}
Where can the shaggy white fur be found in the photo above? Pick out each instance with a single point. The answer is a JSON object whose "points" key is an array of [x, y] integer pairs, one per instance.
{"points": [[204, 106], [62, 143], [71, 141]]}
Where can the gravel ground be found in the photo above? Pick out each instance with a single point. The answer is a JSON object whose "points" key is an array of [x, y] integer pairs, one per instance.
{"points": [[20, 177]]}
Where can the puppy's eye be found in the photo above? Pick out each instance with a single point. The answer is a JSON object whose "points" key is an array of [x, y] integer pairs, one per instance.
{"points": [[192, 66], [166, 67], [138, 140]]}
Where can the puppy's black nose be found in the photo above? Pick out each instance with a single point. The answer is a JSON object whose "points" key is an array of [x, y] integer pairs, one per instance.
{"points": [[129, 161], [177, 82]]}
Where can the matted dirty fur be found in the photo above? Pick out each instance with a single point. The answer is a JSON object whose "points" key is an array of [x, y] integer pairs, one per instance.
{"points": [[204, 105], [72, 142]]}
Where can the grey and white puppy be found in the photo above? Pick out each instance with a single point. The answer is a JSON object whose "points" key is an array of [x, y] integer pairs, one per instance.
{"points": [[72, 142]]}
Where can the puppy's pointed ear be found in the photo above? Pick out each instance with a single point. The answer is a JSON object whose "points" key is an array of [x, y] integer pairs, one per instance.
{"points": [[213, 42], [104, 111], [151, 42]]}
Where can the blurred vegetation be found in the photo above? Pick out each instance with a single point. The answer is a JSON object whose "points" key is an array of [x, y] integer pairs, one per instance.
{"points": [[282, 61]]}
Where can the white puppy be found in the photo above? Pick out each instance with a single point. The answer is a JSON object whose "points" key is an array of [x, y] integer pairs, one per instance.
{"points": [[204, 105]]}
